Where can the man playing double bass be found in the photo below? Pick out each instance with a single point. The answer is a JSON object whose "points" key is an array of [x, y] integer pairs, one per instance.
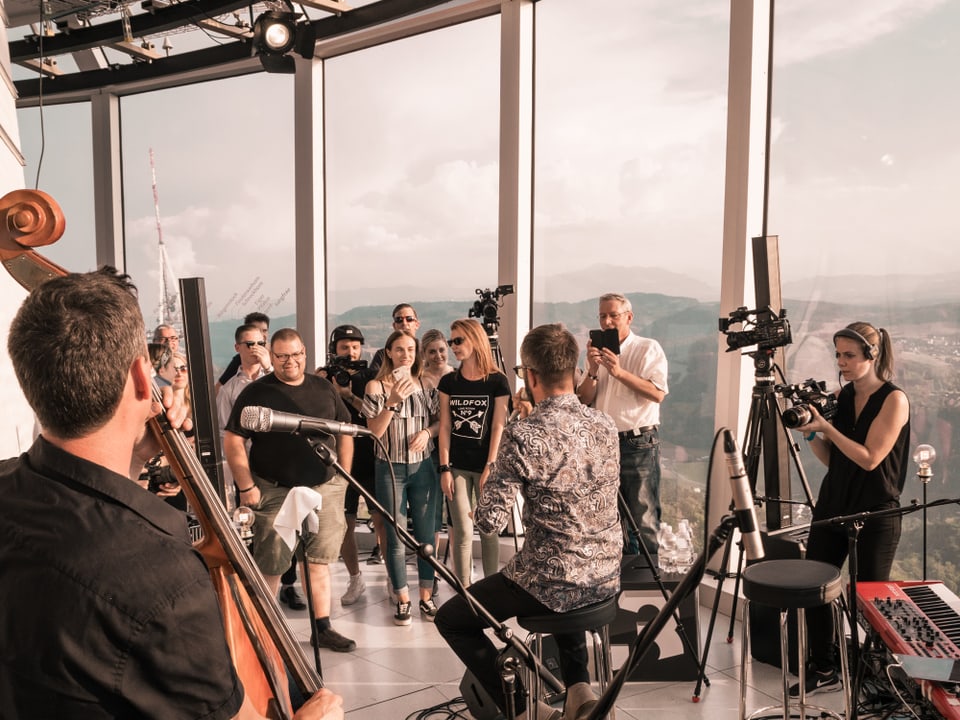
{"points": [[106, 610]]}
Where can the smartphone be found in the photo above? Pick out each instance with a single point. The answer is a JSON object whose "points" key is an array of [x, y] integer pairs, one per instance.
{"points": [[609, 338], [402, 372]]}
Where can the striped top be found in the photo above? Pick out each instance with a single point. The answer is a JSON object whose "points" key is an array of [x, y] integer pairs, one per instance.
{"points": [[414, 416]]}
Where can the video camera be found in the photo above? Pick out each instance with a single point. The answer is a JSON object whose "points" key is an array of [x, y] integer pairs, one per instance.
{"points": [[802, 396], [487, 307], [338, 369], [763, 328]]}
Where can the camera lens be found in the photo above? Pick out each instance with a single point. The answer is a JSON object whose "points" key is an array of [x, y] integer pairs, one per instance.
{"points": [[796, 416]]}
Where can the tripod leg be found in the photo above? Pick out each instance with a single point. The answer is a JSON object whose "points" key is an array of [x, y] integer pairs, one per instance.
{"points": [[736, 594], [724, 567]]}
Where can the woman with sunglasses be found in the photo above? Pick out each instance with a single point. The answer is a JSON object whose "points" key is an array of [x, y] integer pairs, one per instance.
{"points": [[473, 411], [400, 410]]}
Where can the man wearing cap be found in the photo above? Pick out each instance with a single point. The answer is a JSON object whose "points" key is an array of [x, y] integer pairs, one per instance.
{"points": [[346, 344], [629, 387]]}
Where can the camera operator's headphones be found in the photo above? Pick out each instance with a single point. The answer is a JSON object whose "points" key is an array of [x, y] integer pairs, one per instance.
{"points": [[870, 350]]}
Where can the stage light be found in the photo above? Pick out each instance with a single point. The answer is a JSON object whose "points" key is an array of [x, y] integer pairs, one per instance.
{"points": [[275, 34]]}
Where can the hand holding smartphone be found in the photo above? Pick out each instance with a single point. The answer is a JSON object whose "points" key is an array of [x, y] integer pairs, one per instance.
{"points": [[608, 338]]}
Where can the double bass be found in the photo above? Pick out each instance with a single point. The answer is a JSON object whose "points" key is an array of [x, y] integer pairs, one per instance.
{"points": [[261, 645]]}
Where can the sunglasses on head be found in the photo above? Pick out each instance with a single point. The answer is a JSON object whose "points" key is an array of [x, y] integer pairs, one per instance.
{"points": [[457, 341]]}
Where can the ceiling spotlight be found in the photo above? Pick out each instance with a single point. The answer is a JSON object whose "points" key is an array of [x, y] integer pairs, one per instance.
{"points": [[274, 32]]}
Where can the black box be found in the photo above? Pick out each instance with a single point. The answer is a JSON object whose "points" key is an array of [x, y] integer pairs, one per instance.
{"points": [[640, 601]]}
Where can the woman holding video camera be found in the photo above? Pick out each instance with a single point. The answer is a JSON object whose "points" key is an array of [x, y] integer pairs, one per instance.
{"points": [[473, 411], [866, 450], [400, 411]]}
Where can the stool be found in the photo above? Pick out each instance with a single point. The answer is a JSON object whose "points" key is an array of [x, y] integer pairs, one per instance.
{"points": [[593, 619], [793, 585]]}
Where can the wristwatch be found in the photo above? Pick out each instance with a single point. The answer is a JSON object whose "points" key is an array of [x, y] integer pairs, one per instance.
{"points": [[394, 408], [444, 468]]}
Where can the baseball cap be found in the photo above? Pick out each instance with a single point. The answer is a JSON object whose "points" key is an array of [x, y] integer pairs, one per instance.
{"points": [[346, 332]]}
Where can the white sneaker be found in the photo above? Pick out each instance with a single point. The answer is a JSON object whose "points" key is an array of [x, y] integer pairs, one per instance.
{"points": [[355, 589]]}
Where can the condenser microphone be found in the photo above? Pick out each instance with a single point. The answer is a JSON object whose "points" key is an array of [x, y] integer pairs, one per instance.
{"points": [[263, 419], [743, 506]]}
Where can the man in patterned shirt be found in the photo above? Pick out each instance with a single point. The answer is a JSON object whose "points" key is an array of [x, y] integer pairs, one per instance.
{"points": [[564, 459]]}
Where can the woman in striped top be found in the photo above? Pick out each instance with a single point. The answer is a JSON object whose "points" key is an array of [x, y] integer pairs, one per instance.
{"points": [[402, 412]]}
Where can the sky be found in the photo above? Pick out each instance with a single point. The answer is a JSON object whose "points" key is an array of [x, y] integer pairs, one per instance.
{"points": [[631, 130]]}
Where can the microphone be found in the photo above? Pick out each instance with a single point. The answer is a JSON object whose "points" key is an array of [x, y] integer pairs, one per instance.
{"points": [[743, 506], [264, 419]]}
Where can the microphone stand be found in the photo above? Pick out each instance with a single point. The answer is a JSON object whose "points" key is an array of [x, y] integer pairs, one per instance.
{"points": [[650, 631], [854, 524], [425, 551]]}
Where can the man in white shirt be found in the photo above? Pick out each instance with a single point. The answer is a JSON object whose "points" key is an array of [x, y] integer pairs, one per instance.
{"points": [[629, 386]]}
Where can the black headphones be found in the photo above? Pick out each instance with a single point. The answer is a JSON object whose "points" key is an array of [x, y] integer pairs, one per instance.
{"points": [[870, 350]]}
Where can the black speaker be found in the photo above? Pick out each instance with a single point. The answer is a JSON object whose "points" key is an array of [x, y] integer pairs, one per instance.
{"points": [[479, 703], [785, 544], [640, 601]]}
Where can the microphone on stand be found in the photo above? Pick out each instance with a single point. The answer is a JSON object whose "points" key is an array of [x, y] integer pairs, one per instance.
{"points": [[264, 419], [743, 505]]}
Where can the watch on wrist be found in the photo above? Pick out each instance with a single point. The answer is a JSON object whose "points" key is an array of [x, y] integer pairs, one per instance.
{"points": [[444, 468], [394, 408]]}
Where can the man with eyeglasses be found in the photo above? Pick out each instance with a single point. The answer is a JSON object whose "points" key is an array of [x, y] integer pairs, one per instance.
{"points": [[279, 462], [562, 459], [629, 386], [167, 335]]}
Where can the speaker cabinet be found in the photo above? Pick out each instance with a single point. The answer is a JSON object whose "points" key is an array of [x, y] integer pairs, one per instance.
{"points": [[640, 601]]}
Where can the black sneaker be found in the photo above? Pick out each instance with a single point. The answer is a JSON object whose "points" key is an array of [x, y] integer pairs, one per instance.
{"points": [[428, 610], [816, 681], [291, 596], [375, 557], [332, 640], [402, 615]]}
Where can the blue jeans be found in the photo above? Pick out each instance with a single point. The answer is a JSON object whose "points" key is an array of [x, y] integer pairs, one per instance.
{"points": [[640, 487], [416, 490]]}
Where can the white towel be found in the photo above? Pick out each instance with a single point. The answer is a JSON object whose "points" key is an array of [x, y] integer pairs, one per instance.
{"points": [[299, 506]]}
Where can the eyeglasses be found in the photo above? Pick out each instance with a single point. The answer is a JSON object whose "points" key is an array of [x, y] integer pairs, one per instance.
{"points": [[457, 341], [400, 319], [521, 371], [167, 338], [251, 343], [180, 368], [283, 357], [612, 316]]}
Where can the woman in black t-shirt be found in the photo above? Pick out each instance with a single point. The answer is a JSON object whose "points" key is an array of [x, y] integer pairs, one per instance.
{"points": [[473, 411]]}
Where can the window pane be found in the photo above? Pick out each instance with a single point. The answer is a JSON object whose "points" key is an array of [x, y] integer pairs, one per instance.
{"points": [[631, 118], [412, 177], [864, 169]]}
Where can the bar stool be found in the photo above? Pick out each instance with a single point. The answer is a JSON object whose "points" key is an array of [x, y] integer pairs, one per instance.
{"points": [[793, 585], [592, 619]]}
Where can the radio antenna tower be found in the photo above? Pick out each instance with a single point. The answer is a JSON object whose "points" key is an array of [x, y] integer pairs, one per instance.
{"points": [[168, 301]]}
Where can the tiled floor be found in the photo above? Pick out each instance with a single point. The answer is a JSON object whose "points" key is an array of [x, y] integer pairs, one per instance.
{"points": [[398, 672]]}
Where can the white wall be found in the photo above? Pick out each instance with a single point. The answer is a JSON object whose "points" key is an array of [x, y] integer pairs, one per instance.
{"points": [[16, 418]]}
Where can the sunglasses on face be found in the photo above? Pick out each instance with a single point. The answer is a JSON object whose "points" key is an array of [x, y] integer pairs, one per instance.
{"points": [[251, 343], [400, 319], [457, 341], [180, 368]]}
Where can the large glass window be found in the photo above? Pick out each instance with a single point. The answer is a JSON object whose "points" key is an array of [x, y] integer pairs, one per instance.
{"points": [[58, 144], [223, 154], [412, 177], [630, 139], [864, 165]]}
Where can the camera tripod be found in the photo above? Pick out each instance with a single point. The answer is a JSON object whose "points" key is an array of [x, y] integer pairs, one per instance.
{"points": [[764, 423]]}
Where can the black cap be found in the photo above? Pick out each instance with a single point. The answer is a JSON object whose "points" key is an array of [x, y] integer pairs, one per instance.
{"points": [[346, 332]]}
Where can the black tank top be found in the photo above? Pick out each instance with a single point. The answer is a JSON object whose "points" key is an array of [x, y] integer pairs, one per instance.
{"points": [[847, 488]]}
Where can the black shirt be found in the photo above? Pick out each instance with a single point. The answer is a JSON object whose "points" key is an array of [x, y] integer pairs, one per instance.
{"points": [[471, 416], [106, 611], [284, 458]]}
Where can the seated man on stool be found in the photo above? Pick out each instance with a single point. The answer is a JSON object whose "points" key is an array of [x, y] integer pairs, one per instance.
{"points": [[564, 459]]}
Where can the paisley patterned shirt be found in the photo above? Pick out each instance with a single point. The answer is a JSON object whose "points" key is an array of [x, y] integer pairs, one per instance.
{"points": [[564, 458]]}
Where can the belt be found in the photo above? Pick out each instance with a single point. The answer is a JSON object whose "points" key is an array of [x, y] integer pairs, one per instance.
{"points": [[636, 432]]}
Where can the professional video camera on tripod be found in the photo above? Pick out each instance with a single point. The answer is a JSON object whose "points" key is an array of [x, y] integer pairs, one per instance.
{"points": [[487, 310]]}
